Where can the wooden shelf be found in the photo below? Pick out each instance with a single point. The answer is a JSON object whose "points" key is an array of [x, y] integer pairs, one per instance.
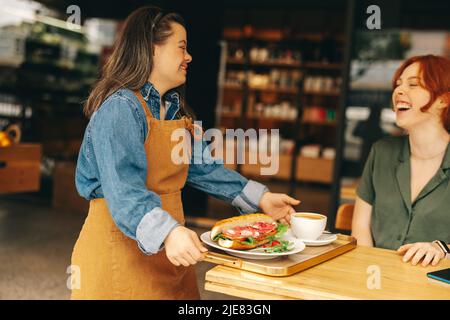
{"points": [[254, 170], [228, 86], [318, 170], [230, 114], [263, 89], [323, 65], [251, 33], [320, 123], [287, 90], [275, 35], [293, 64], [314, 169], [235, 61], [263, 118], [322, 93], [273, 63]]}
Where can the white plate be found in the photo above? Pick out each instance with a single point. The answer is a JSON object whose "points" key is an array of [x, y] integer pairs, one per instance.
{"points": [[323, 240], [255, 253]]}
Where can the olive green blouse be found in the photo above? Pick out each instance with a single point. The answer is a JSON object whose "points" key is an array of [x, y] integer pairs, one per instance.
{"points": [[386, 185]]}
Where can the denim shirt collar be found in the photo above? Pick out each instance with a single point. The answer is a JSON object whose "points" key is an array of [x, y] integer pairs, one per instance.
{"points": [[153, 98]]}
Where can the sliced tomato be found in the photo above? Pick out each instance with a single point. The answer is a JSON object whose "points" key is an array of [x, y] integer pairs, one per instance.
{"points": [[258, 230], [271, 244], [264, 227], [239, 233]]}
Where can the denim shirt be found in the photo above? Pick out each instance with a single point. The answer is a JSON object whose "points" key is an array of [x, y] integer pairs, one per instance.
{"points": [[112, 164]]}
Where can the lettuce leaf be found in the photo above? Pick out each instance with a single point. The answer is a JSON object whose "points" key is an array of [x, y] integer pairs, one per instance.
{"points": [[219, 236], [282, 247], [281, 229], [249, 240]]}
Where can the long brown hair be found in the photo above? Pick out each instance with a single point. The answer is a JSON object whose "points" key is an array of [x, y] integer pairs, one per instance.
{"points": [[131, 61]]}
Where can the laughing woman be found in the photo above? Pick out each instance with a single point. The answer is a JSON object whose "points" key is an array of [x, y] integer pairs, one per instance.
{"points": [[133, 244], [403, 199]]}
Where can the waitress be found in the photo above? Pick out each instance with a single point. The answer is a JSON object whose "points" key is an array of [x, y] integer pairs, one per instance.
{"points": [[133, 244]]}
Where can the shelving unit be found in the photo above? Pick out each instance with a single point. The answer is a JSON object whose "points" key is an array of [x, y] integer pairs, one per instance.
{"points": [[47, 85], [280, 86]]}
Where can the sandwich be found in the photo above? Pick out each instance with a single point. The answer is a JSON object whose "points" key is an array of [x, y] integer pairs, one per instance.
{"points": [[250, 231]]}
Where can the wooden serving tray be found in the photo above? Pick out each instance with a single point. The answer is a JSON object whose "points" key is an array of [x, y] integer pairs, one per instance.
{"points": [[286, 265]]}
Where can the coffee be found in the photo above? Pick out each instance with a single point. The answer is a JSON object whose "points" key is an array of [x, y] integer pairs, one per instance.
{"points": [[308, 216], [308, 225]]}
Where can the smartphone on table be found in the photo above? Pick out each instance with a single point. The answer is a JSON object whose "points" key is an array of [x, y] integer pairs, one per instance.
{"points": [[440, 275]]}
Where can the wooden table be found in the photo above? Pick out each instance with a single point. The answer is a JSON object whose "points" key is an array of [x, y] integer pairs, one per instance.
{"points": [[344, 277]]}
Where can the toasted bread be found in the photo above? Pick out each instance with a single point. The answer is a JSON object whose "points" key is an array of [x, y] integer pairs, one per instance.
{"points": [[238, 245], [239, 221]]}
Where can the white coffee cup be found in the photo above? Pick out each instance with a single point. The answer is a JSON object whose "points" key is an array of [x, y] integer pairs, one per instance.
{"points": [[308, 225]]}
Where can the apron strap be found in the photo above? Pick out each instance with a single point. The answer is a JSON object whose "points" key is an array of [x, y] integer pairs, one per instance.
{"points": [[148, 114], [190, 126], [143, 103]]}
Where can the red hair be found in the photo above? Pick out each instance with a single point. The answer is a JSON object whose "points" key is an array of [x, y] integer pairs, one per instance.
{"points": [[435, 77]]}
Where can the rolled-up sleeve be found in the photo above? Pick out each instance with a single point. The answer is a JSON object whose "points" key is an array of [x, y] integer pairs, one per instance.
{"points": [[118, 144], [210, 176], [365, 188]]}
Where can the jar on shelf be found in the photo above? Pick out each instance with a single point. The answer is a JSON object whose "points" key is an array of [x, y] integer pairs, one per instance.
{"points": [[275, 77], [239, 54], [253, 53], [259, 108], [328, 84], [296, 77], [329, 153], [262, 55]]}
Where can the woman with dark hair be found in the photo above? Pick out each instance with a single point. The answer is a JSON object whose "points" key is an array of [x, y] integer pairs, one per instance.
{"points": [[133, 244], [403, 199]]}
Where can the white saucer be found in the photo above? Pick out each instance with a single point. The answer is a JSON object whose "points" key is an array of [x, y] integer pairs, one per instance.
{"points": [[323, 240], [257, 253]]}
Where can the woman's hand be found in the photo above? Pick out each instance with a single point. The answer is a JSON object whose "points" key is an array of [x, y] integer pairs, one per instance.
{"points": [[278, 206], [419, 250], [183, 247]]}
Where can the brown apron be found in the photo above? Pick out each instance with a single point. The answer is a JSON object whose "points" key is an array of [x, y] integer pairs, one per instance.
{"points": [[111, 266]]}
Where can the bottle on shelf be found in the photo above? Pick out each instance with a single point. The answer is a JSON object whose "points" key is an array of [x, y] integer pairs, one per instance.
{"points": [[278, 111], [322, 84], [318, 114]]}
